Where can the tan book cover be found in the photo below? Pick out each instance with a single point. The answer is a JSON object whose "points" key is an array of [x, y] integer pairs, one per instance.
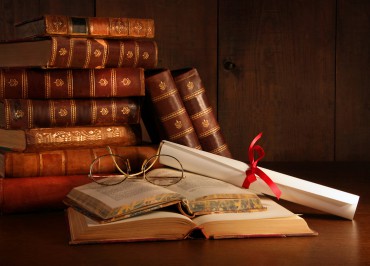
{"points": [[97, 27], [42, 139], [73, 52]]}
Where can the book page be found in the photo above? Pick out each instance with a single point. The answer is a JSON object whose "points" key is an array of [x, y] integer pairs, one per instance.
{"points": [[126, 197], [197, 187], [273, 210]]}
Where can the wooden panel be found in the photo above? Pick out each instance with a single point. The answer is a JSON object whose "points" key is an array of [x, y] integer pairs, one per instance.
{"points": [[13, 11], [283, 80], [353, 81], [186, 33]]}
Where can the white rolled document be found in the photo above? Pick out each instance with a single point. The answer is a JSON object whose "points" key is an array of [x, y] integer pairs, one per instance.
{"points": [[292, 189]]}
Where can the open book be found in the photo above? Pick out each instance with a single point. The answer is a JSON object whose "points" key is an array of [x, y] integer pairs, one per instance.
{"points": [[194, 195], [275, 221]]}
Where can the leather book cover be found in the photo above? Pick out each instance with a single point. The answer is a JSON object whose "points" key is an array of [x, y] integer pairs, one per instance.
{"points": [[193, 95], [25, 194], [26, 113], [68, 161], [73, 52], [97, 27], [169, 111], [34, 83]]}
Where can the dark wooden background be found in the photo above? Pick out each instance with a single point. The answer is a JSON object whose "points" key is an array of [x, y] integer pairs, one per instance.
{"points": [[296, 70]]}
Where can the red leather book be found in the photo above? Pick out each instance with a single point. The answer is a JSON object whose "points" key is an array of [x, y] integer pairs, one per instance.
{"points": [[68, 161], [102, 27], [27, 194], [169, 113], [52, 138], [34, 83], [193, 95], [70, 52], [25, 113]]}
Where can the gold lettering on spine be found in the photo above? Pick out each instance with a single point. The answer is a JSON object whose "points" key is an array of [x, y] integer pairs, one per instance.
{"points": [[54, 47], [114, 110], [88, 53], [30, 113], [105, 54], [52, 112], [121, 54], [8, 113], [70, 83], [47, 84], [73, 112], [71, 46], [94, 111], [92, 82], [137, 54], [24, 84], [113, 82]]}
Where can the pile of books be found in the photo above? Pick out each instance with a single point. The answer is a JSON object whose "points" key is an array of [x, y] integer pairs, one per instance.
{"points": [[71, 86]]}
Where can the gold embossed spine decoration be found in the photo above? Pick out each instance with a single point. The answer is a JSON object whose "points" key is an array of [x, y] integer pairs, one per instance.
{"points": [[24, 114], [193, 94], [169, 108]]}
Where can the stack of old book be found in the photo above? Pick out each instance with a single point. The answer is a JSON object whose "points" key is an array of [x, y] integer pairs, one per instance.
{"points": [[69, 87]]}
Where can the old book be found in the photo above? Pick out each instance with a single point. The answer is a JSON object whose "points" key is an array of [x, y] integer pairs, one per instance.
{"points": [[165, 110], [71, 52], [28, 113], [35, 83], [68, 161], [97, 27], [193, 95], [28, 194], [276, 221], [42, 139], [194, 195]]}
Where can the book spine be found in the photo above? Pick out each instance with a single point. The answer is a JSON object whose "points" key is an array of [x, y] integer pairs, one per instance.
{"points": [[42, 139], [193, 94], [26, 114], [103, 27], [169, 108], [29, 83], [73, 52], [34, 194], [69, 161]]}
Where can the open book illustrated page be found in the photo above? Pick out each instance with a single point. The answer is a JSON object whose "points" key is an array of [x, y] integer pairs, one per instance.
{"points": [[313, 195], [193, 195], [275, 221]]}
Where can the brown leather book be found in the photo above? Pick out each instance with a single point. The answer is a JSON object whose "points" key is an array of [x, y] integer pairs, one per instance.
{"points": [[97, 27], [168, 109], [70, 52], [26, 194], [193, 95], [25, 113], [68, 161], [35, 83], [41, 139]]}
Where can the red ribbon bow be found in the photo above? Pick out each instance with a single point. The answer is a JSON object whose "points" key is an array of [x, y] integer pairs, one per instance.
{"points": [[253, 170]]}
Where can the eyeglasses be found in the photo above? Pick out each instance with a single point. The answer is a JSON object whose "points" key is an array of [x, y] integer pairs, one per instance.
{"points": [[102, 174]]}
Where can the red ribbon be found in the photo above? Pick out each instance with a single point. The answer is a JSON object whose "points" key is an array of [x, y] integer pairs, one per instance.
{"points": [[254, 170]]}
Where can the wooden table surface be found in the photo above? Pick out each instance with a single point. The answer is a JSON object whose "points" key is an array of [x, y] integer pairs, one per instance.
{"points": [[42, 238]]}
